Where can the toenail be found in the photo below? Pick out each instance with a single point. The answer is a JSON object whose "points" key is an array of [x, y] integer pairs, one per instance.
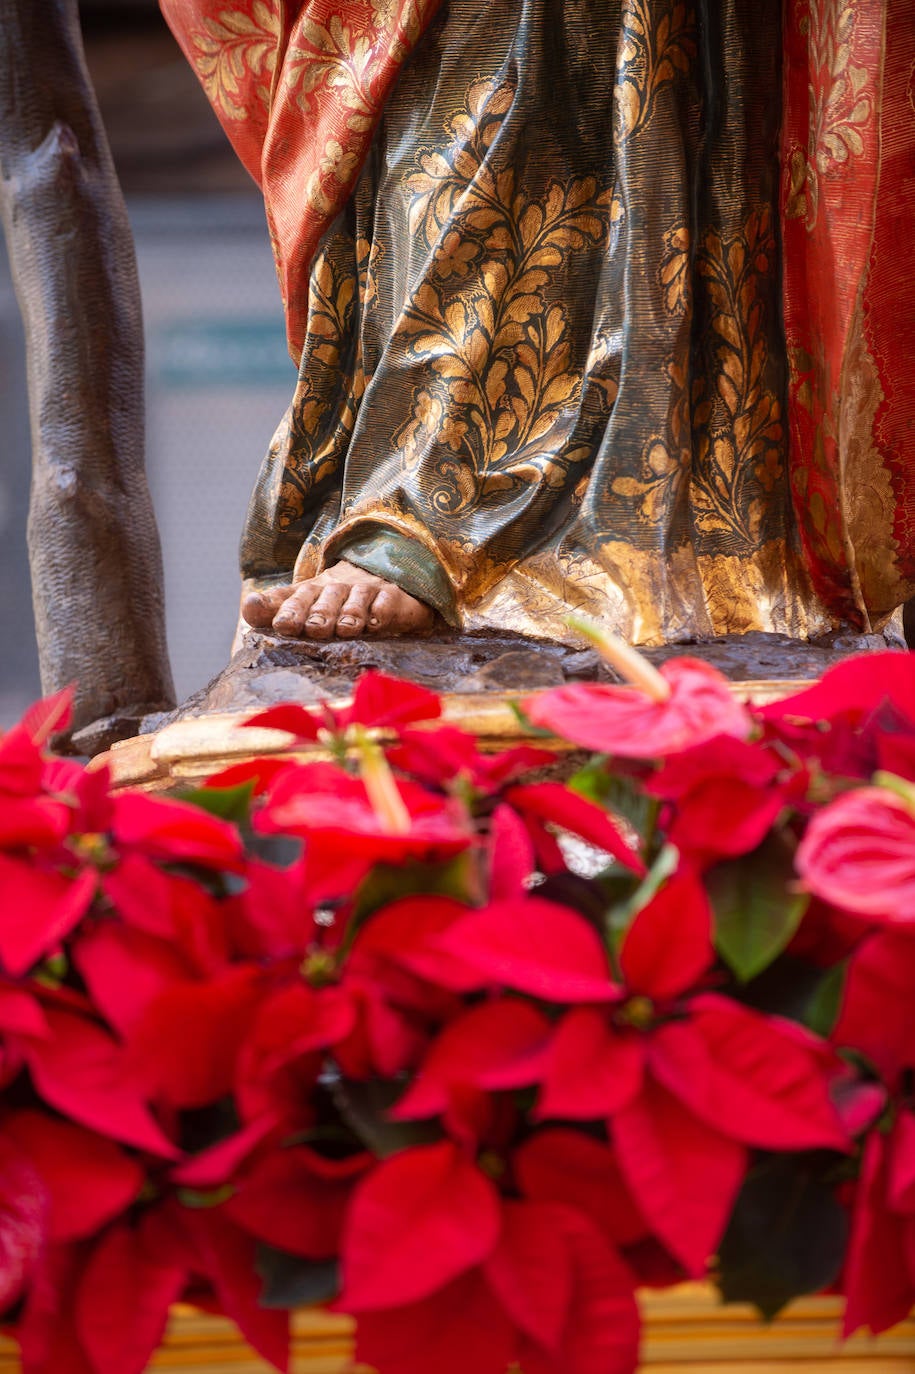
{"points": [[347, 620], [317, 619]]}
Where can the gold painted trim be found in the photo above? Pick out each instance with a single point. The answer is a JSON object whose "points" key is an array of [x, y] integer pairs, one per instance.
{"points": [[191, 749], [687, 1331]]}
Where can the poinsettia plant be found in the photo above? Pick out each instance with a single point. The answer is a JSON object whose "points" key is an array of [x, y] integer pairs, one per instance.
{"points": [[466, 1051]]}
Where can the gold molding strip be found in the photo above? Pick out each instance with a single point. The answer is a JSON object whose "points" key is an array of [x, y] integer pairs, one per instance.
{"points": [[191, 749], [686, 1331]]}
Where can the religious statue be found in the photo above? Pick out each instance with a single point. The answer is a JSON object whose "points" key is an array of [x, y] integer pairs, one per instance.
{"points": [[599, 305], [603, 306]]}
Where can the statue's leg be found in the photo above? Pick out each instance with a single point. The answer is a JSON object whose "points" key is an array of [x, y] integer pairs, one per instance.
{"points": [[296, 498], [444, 468], [94, 549]]}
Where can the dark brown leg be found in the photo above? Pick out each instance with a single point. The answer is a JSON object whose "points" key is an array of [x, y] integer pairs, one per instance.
{"points": [[94, 549]]}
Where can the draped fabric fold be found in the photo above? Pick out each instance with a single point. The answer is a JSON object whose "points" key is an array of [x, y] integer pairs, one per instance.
{"points": [[596, 302], [848, 206]]}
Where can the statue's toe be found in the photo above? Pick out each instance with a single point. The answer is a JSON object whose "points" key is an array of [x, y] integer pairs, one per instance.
{"points": [[355, 612], [395, 612], [321, 622], [291, 618], [259, 608]]}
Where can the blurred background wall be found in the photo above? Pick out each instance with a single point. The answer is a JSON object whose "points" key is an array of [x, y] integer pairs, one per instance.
{"points": [[218, 374]]}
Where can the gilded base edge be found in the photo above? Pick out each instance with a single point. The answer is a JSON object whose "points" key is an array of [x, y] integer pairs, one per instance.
{"points": [[685, 1328], [191, 749]]}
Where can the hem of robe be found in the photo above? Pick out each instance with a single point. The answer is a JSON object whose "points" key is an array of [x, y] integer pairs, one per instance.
{"points": [[406, 564], [693, 599]]}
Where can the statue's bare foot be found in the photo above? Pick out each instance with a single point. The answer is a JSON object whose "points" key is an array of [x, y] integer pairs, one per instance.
{"points": [[343, 601]]}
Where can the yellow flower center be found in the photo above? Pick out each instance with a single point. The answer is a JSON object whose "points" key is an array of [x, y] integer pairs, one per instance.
{"points": [[638, 1012]]}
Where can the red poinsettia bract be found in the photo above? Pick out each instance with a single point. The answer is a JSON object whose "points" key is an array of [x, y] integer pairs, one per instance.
{"points": [[685, 1078], [346, 831], [877, 1020], [629, 723], [379, 702], [434, 1258], [414, 1040], [859, 853]]}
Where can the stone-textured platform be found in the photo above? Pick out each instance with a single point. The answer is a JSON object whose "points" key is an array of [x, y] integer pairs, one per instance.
{"points": [[268, 670]]}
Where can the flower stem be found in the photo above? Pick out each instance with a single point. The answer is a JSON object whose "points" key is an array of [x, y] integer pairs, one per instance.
{"points": [[627, 661], [381, 785]]}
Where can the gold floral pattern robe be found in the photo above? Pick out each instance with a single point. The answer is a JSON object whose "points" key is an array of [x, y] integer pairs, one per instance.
{"points": [[532, 258]]}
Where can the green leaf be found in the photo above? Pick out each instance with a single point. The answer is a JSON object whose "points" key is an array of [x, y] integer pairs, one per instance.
{"points": [[364, 1106], [388, 882], [589, 896], [53, 971], [199, 1199], [822, 1010], [623, 796], [787, 1234], [756, 913], [620, 915], [291, 1281], [535, 731], [228, 803], [893, 783], [786, 988], [617, 886]]}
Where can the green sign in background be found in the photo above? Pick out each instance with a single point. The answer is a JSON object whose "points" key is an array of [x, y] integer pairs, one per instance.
{"points": [[230, 352]]}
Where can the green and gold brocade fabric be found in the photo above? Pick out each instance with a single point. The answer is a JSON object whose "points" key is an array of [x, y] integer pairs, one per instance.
{"points": [[543, 361]]}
